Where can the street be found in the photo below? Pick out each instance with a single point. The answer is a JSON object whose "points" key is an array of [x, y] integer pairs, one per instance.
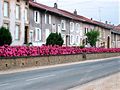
{"points": [[59, 78]]}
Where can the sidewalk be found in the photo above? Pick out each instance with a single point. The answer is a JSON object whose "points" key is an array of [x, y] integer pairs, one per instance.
{"points": [[111, 82]]}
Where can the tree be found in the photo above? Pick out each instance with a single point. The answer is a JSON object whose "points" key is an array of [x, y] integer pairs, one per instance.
{"points": [[5, 36], [92, 37], [54, 39]]}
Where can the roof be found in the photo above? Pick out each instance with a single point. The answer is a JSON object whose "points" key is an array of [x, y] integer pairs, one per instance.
{"points": [[68, 14]]}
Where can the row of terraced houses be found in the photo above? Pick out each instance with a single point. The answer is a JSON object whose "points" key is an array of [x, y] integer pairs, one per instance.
{"points": [[32, 22]]}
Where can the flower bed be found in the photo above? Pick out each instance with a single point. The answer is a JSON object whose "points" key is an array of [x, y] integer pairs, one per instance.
{"points": [[17, 51]]}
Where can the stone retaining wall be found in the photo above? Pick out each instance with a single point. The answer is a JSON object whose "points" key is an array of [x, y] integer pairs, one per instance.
{"points": [[20, 62]]}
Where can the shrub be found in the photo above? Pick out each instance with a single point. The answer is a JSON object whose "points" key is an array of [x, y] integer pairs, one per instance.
{"points": [[5, 36], [82, 46], [54, 39], [92, 37]]}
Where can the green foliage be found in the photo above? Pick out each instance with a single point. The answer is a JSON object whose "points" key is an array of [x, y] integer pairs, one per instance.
{"points": [[5, 36], [54, 39], [82, 46], [92, 37]]}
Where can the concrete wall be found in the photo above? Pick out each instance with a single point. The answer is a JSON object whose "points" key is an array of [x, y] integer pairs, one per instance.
{"points": [[21, 62]]}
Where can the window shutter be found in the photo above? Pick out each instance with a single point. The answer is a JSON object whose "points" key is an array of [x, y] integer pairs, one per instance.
{"points": [[35, 34], [35, 16], [49, 19], [38, 19], [40, 34], [45, 19]]}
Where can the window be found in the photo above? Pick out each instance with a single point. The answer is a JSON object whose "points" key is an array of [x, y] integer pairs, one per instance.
{"points": [[71, 39], [77, 39], [86, 30], [59, 28], [47, 32], [54, 28], [6, 9], [77, 27], [37, 34], [18, 12], [47, 19], [31, 36], [71, 26], [6, 25], [36, 17], [63, 25], [26, 14], [64, 38], [17, 32]]}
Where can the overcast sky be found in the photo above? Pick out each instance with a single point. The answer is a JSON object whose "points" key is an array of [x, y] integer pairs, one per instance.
{"points": [[104, 10]]}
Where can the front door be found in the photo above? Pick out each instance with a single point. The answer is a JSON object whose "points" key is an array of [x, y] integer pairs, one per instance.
{"points": [[26, 35], [108, 42]]}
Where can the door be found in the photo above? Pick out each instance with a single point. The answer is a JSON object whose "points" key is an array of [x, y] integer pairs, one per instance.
{"points": [[26, 35], [108, 42]]}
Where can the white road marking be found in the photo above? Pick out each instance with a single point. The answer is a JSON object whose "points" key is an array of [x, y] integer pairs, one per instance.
{"points": [[3, 84], [39, 77]]}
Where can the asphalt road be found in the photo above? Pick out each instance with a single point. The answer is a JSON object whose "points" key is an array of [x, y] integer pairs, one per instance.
{"points": [[59, 78]]}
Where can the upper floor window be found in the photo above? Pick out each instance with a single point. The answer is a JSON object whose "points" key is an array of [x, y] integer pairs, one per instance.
{"points": [[54, 28], [37, 17], [18, 12], [6, 9], [63, 25], [71, 26], [38, 34], [47, 19], [86, 30], [26, 14], [77, 27]]}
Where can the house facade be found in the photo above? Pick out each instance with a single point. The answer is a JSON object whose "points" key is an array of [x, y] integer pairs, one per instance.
{"points": [[14, 16], [32, 22], [72, 27]]}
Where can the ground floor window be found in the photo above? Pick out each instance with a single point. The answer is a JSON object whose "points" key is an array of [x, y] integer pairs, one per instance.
{"points": [[17, 32]]}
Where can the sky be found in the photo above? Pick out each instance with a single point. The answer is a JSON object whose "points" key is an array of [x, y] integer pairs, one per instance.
{"points": [[101, 10]]}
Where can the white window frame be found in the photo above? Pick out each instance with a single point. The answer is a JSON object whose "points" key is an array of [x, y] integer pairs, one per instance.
{"points": [[47, 19], [77, 27], [71, 39], [37, 16], [71, 26], [59, 28], [38, 34], [17, 12], [6, 9], [64, 38], [31, 36], [47, 33], [6, 25], [63, 22], [54, 28], [77, 39], [17, 32], [26, 14]]}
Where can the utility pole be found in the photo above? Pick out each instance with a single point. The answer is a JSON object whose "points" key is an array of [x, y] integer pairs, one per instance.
{"points": [[99, 12]]}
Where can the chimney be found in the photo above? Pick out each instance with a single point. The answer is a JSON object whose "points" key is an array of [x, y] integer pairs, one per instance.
{"points": [[91, 18], [55, 5], [75, 12], [106, 22]]}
